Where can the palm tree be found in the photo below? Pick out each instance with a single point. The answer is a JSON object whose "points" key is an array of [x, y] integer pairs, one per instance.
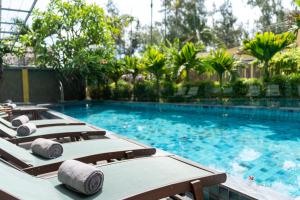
{"points": [[264, 46], [221, 61], [187, 58], [155, 63]]}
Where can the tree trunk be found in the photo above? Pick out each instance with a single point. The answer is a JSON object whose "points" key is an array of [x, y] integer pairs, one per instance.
{"points": [[1, 67], [158, 87], [133, 88], [221, 84], [187, 75], [266, 71]]}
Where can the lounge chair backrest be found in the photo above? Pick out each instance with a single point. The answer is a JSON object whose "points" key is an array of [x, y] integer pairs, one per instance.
{"points": [[193, 91], [15, 151], [254, 91], [216, 90], [227, 90], [5, 122], [181, 91], [298, 88], [6, 131], [273, 90]]}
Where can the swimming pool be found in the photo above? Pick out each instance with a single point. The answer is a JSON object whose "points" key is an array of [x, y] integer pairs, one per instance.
{"points": [[242, 145]]}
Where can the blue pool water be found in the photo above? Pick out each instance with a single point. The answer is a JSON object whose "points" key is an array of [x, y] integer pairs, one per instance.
{"points": [[269, 150]]}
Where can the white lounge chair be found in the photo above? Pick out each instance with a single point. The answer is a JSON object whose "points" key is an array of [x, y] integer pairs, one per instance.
{"points": [[193, 91], [254, 91], [180, 92], [272, 90]]}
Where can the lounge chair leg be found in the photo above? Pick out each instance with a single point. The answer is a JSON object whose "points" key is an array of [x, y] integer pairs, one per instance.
{"points": [[197, 190]]}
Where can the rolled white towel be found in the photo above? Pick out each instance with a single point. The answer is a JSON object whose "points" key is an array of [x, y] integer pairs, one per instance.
{"points": [[26, 129], [81, 177], [8, 101], [46, 148], [12, 105], [18, 121]]}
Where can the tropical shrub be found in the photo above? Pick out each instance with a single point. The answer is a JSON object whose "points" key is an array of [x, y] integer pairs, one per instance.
{"points": [[283, 83], [205, 88], [168, 88], [294, 81], [145, 91], [122, 90], [240, 87]]}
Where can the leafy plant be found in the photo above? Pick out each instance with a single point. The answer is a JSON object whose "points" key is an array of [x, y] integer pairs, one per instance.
{"points": [[264, 46]]}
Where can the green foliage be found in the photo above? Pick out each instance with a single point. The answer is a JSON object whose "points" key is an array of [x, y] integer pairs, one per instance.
{"points": [[221, 61], [4, 49], [271, 12], [286, 62], [132, 66], [155, 63], [283, 83], [122, 90], [186, 20], [73, 37], [265, 46], [294, 80], [226, 28], [241, 86], [145, 91]]}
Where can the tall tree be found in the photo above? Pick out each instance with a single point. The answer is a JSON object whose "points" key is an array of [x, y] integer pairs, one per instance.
{"points": [[272, 15], [226, 28], [120, 23], [186, 20]]}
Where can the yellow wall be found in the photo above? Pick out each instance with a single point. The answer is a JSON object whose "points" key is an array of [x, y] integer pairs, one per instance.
{"points": [[25, 80]]}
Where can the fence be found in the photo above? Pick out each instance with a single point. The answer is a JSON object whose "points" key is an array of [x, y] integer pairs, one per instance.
{"points": [[34, 85]]}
